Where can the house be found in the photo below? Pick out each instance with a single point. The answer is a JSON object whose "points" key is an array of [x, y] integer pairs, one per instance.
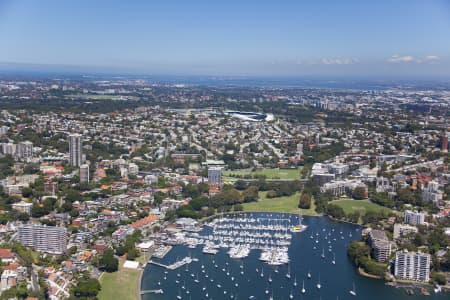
{"points": [[6, 255]]}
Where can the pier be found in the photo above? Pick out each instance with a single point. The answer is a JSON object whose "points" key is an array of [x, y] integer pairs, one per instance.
{"points": [[160, 291], [174, 266]]}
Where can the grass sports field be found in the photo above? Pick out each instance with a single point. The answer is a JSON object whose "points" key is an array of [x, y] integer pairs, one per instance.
{"points": [[362, 206], [280, 204], [275, 173], [122, 284]]}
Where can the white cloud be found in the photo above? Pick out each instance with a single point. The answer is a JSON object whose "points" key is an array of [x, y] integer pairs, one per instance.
{"points": [[338, 61], [431, 58], [411, 59], [401, 59]]}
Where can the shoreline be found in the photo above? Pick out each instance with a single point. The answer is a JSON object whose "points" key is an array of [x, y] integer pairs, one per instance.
{"points": [[253, 212], [365, 274], [359, 270]]}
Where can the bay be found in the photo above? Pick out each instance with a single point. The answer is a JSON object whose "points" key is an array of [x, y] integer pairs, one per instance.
{"points": [[336, 279]]}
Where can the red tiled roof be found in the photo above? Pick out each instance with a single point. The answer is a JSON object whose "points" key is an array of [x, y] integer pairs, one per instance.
{"points": [[6, 253]]}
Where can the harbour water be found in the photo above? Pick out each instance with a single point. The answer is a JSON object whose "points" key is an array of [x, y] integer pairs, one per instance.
{"points": [[311, 251]]}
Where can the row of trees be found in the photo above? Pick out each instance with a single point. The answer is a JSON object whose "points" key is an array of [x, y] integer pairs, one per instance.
{"points": [[370, 217], [359, 253]]}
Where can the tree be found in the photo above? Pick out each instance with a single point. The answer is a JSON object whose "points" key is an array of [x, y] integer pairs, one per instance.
{"points": [[359, 193], [335, 211], [27, 192], [240, 185], [228, 196], [198, 203], [354, 216], [250, 194], [133, 253], [238, 207], [24, 217], [439, 278], [109, 262], [305, 201], [87, 288]]}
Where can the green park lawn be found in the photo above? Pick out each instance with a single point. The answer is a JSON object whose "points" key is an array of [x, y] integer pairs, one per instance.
{"points": [[275, 173], [122, 284], [287, 204], [363, 206]]}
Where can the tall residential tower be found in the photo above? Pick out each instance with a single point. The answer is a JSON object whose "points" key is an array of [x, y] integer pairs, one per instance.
{"points": [[75, 156]]}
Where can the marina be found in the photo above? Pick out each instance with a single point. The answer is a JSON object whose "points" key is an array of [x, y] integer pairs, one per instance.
{"points": [[316, 265], [272, 235]]}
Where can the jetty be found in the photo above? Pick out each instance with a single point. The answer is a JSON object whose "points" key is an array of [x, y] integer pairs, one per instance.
{"points": [[174, 266], [160, 291]]}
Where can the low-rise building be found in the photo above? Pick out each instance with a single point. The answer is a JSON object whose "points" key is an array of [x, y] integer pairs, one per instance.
{"points": [[403, 229]]}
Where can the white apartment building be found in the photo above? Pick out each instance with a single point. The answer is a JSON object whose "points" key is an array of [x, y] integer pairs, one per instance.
{"points": [[412, 265], [49, 239], [414, 217]]}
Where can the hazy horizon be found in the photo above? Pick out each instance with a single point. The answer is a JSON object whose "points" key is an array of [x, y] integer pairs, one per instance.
{"points": [[401, 39]]}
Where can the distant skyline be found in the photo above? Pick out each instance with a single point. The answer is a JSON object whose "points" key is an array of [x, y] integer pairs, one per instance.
{"points": [[404, 39]]}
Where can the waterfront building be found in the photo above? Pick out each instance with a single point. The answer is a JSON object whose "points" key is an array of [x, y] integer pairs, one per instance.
{"points": [[414, 217], [380, 245], [412, 265], [75, 154], [49, 239]]}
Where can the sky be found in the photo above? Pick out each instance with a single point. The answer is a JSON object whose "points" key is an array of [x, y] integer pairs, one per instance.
{"points": [[382, 38]]}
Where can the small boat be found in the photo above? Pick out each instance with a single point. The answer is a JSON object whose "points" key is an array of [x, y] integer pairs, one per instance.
{"points": [[295, 280], [288, 274], [291, 296], [309, 275], [425, 291], [353, 291], [303, 287], [318, 285], [334, 259], [270, 278], [300, 227], [323, 253]]}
